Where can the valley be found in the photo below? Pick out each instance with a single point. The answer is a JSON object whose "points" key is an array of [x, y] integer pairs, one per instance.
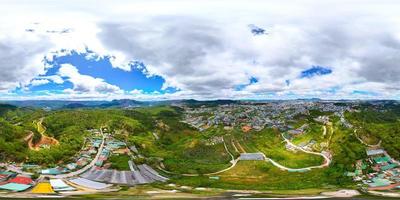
{"points": [[201, 149]]}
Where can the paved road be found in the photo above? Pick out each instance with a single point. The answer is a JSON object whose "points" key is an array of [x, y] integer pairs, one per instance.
{"points": [[71, 174], [326, 163], [233, 161], [87, 167]]}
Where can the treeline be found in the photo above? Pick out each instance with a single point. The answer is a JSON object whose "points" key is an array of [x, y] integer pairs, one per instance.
{"points": [[67, 126], [382, 123]]}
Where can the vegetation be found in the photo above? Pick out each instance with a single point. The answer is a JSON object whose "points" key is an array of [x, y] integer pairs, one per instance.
{"points": [[260, 175], [375, 125], [164, 141], [119, 162]]}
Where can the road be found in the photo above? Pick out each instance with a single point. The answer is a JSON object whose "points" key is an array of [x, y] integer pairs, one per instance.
{"points": [[233, 161], [87, 167], [325, 164], [71, 174], [369, 145]]}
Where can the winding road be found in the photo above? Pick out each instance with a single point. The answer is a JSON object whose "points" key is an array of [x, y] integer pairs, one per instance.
{"points": [[87, 167], [369, 145], [233, 161], [71, 174], [326, 163]]}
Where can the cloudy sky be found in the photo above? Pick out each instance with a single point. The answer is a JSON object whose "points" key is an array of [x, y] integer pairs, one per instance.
{"points": [[208, 49]]}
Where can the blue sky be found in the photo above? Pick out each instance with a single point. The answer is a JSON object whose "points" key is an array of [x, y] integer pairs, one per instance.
{"points": [[102, 68], [215, 50], [135, 79]]}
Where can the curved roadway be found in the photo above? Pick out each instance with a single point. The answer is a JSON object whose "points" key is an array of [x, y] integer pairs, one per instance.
{"points": [[326, 163]]}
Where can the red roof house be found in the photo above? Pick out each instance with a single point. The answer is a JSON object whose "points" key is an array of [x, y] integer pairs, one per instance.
{"points": [[21, 180]]}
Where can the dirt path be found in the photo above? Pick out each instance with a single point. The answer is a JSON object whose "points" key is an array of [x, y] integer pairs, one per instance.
{"points": [[44, 140], [240, 147], [369, 145], [233, 161], [233, 164], [326, 163], [234, 146]]}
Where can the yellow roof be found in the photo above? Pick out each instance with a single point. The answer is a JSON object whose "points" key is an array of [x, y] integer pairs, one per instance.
{"points": [[43, 188]]}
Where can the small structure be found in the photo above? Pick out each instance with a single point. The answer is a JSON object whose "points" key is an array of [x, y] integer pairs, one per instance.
{"points": [[72, 166], [246, 128], [252, 156], [43, 188], [16, 187], [89, 184], [295, 132], [52, 171], [60, 186], [134, 149], [21, 180], [374, 152]]}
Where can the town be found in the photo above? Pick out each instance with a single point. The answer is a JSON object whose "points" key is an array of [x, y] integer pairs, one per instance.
{"points": [[258, 115], [91, 170]]}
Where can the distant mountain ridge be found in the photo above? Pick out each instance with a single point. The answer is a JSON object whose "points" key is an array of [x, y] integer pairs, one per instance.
{"points": [[129, 103]]}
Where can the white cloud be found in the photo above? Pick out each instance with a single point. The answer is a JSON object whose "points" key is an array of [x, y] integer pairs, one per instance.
{"points": [[54, 78], [207, 50], [84, 83], [37, 82]]}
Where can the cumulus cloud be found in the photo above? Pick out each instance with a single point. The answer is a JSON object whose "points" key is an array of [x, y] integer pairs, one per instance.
{"points": [[21, 59], [54, 78], [207, 51], [37, 82], [84, 83]]}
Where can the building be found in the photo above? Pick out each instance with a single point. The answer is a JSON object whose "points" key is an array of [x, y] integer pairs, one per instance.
{"points": [[252, 156]]}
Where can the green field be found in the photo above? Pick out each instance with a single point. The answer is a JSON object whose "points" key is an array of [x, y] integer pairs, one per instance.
{"points": [[260, 175], [270, 142], [164, 141]]}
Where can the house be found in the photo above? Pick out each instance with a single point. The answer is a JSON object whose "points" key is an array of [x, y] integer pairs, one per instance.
{"points": [[246, 128], [374, 152], [51, 171], [252, 156]]}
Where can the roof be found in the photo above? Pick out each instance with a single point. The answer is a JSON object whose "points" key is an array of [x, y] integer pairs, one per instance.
{"points": [[295, 132], [60, 185], [379, 182], [89, 184], [16, 187], [375, 152], [246, 128], [43, 188], [390, 166], [52, 171], [6, 173], [21, 180], [381, 159], [251, 156]]}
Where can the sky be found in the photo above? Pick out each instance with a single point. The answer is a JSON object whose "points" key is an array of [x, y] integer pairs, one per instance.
{"points": [[208, 49]]}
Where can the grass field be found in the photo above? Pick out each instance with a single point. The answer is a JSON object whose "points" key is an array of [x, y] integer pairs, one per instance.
{"points": [[272, 145], [260, 175]]}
